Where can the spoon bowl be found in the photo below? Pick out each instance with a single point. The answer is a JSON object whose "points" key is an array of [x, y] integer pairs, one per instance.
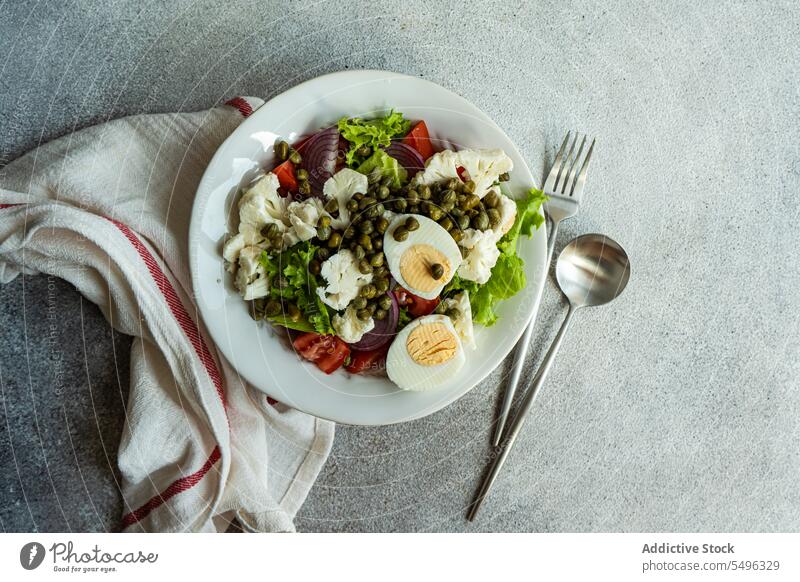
{"points": [[592, 270]]}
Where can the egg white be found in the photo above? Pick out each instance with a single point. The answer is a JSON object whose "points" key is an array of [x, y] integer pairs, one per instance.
{"points": [[429, 233], [408, 374]]}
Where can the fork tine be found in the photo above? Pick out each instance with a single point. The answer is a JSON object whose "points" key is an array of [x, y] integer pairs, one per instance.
{"points": [[569, 182], [577, 188], [563, 171], [550, 183]]}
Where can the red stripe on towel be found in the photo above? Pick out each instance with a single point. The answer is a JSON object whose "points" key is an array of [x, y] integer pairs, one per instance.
{"points": [[241, 104]]}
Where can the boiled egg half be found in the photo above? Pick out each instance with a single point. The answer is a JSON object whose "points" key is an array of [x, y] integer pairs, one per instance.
{"points": [[425, 354], [426, 260]]}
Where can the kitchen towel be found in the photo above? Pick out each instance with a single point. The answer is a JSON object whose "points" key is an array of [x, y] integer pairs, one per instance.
{"points": [[107, 208]]}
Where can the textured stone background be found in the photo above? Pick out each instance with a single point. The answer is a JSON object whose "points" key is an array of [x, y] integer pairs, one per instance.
{"points": [[676, 408]]}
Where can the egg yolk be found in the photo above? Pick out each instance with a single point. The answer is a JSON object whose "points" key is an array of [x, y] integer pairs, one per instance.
{"points": [[415, 267], [430, 344]]}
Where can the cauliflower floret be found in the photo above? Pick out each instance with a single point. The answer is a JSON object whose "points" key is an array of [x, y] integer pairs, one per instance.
{"points": [[231, 249], [508, 213], [462, 323], [482, 166], [303, 216], [251, 278], [349, 327], [341, 186], [343, 278], [259, 206], [482, 255]]}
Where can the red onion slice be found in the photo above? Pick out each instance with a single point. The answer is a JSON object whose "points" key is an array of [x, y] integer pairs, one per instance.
{"points": [[319, 157], [407, 157], [384, 330]]}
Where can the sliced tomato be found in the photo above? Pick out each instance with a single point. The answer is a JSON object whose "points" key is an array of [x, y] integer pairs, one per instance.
{"points": [[419, 139], [367, 360], [417, 306], [328, 352], [286, 177]]}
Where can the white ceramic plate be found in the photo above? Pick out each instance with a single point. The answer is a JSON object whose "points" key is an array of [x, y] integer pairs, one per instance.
{"points": [[254, 349]]}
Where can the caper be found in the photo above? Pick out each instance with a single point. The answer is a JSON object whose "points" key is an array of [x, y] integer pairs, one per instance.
{"points": [[457, 234], [301, 174], [293, 311], [481, 221], [376, 260], [435, 213], [413, 209], [349, 232], [453, 313], [272, 308], [363, 314], [359, 303], [387, 181], [372, 308], [449, 196], [281, 149], [366, 227], [469, 187], [374, 211], [491, 199], [470, 201], [269, 230], [383, 192], [377, 242], [447, 206], [365, 241], [324, 221], [411, 224], [314, 267], [365, 202], [358, 197], [463, 222], [295, 157], [276, 241], [385, 302], [304, 187], [425, 192], [380, 314], [352, 205], [381, 272], [381, 225], [359, 252], [324, 232], [331, 205], [323, 253], [335, 240], [400, 204], [400, 233], [369, 291], [382, 285], [504, 177], [413, 195], [494, 217], [437, 271], [446, 223], [364, 267], [364, 151]]}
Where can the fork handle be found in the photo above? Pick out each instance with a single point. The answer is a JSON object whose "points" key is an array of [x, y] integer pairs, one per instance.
{"points": [[522, 352], [521, 416]]}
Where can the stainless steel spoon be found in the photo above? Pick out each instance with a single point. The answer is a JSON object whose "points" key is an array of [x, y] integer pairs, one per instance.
{"points": [[591, 270]]}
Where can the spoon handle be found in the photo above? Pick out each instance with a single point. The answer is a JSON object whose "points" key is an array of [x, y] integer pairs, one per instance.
{"points": [[522, 352], [521, 415]]}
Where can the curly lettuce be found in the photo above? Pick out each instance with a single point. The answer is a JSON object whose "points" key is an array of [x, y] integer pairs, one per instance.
{"points": [[299, 286], [386, 166], [373, 133], [508, 275]]}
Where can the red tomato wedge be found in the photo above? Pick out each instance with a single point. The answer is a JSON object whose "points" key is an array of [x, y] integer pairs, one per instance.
{"points": [[419, 139], [417, 306], [328, 352], [286, 177], [367, 360]]}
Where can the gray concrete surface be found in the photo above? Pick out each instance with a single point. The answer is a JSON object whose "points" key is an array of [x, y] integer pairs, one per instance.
{"points": [[676, 408]]}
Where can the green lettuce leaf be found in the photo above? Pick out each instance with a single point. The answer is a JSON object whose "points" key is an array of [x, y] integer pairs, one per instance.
{"points": [[300, 287], [508, 275], [373, 133], [386, 165]]}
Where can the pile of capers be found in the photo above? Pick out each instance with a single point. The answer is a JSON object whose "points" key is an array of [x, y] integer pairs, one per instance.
{"points": [[283, 151]]}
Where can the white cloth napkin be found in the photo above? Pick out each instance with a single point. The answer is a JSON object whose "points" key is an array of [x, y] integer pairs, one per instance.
{"points": [[107, 209]]}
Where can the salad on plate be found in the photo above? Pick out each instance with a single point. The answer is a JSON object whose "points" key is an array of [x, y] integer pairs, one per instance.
{"points": [[380, 251]]}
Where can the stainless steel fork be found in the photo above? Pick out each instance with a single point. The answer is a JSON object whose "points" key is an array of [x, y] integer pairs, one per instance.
{"points": [[564, 187]]}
